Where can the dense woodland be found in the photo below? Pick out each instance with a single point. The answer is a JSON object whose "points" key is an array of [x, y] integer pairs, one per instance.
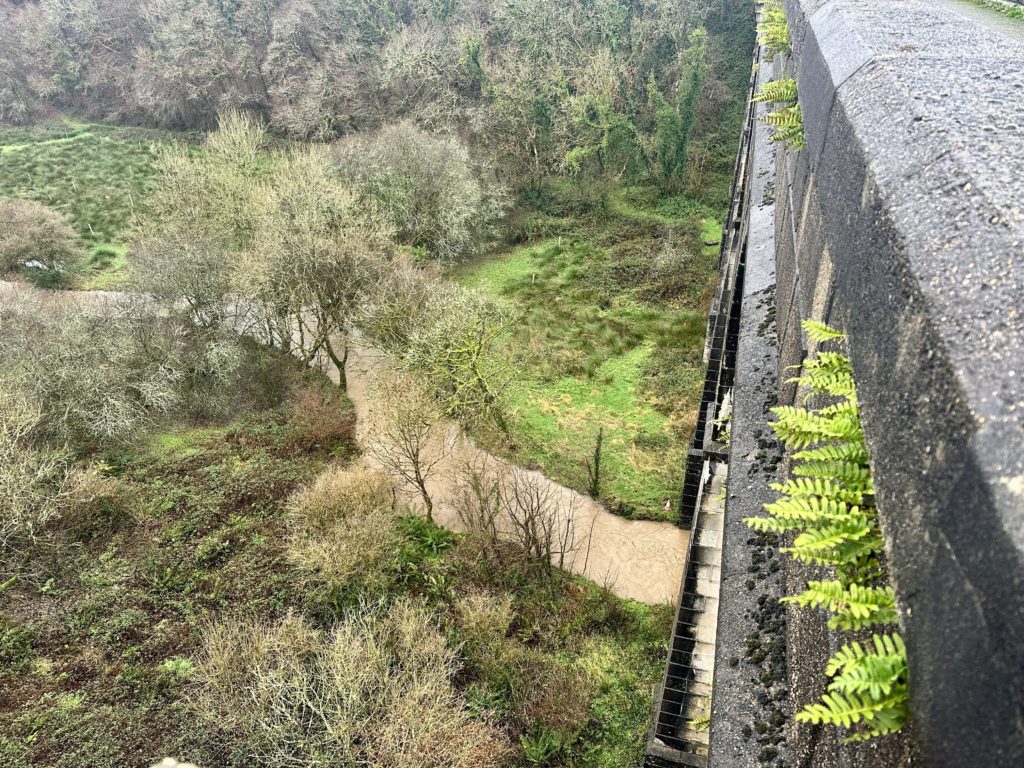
{"points": [[594, 87], [517, 203]]}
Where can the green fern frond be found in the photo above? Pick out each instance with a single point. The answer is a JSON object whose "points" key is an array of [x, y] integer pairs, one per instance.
{"points": [[854, 653], [701, 723], [784, 117], [773, 524], [792, 136], [789, 126], [825, 488], [828, 383], [852, 476], [801, 514], [827, 363], [856, 453], [813, 511], [855, 606], [881, 716], [841, 543], [876, 674], [819, 332], [823, 500], [778, 92], [869, 686], [772, 30], [799, 428], [848, 406]]}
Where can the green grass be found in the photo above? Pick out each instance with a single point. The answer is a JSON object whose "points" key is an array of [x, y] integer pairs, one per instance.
{"points": [[97, 175], [105, 268], [497, 272], [178, 442], [623, 667], [13, 138], [616, 646], [558, 423], [600, 345], [73, 135], [711, 232], [1013, 12]]}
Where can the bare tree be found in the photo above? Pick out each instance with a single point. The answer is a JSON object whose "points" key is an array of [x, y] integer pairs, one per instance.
{"points": [[499, 502], [478, 500], [18, 104], [81, 366], [100, 370], [401, 301], [411, 438], [175, 263], [266, 242], [318, 251], [439, 200], [35, 484], [313, 77], [457, 347], [541, 518], [207, 210], [193, 65]]}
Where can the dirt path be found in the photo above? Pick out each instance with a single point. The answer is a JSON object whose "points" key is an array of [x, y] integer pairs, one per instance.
{"points": [[642, 560]]}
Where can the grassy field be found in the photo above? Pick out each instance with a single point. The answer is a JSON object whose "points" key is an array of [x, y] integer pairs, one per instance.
{"points": [[610, 337], [97, 175]]}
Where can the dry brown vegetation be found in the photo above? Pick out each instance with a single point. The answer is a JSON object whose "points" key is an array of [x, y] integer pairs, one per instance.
{"points": [[344, 533], [32, 233], [36, 485], [377, 689]]}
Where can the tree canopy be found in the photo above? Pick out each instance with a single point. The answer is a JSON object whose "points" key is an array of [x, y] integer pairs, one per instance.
{"points": [[581, 86]]}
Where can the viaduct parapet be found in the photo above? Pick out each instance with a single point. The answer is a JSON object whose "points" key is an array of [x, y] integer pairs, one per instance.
{"points": [[902, 224]]}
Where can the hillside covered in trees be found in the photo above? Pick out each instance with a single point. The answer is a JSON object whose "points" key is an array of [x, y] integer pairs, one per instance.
{"points": [[595, 87], [223, 539]]}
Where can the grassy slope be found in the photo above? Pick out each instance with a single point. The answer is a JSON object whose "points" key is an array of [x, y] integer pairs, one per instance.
{"points": [[96, 668], [97, 175], [99, 682], [597, 347]]}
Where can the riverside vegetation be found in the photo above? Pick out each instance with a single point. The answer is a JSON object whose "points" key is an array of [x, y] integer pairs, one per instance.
{"points": [[517, 202]]}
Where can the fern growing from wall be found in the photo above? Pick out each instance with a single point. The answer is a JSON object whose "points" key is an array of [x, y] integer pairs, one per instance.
{"points": [[787, 118], [827, 506], [772, 30]]}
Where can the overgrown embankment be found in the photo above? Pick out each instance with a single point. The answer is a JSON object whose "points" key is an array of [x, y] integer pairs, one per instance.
{"points": [[110, 639]]}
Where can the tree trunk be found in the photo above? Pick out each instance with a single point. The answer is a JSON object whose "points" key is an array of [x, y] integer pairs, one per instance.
{"points": [[421, 483], [339, 363]]}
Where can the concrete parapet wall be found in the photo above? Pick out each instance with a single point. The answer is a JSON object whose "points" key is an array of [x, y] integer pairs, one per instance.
{"points": [[903, 224]]}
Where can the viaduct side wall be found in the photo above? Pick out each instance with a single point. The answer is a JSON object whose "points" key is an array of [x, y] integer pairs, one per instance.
{"points": [[902, 223]]}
